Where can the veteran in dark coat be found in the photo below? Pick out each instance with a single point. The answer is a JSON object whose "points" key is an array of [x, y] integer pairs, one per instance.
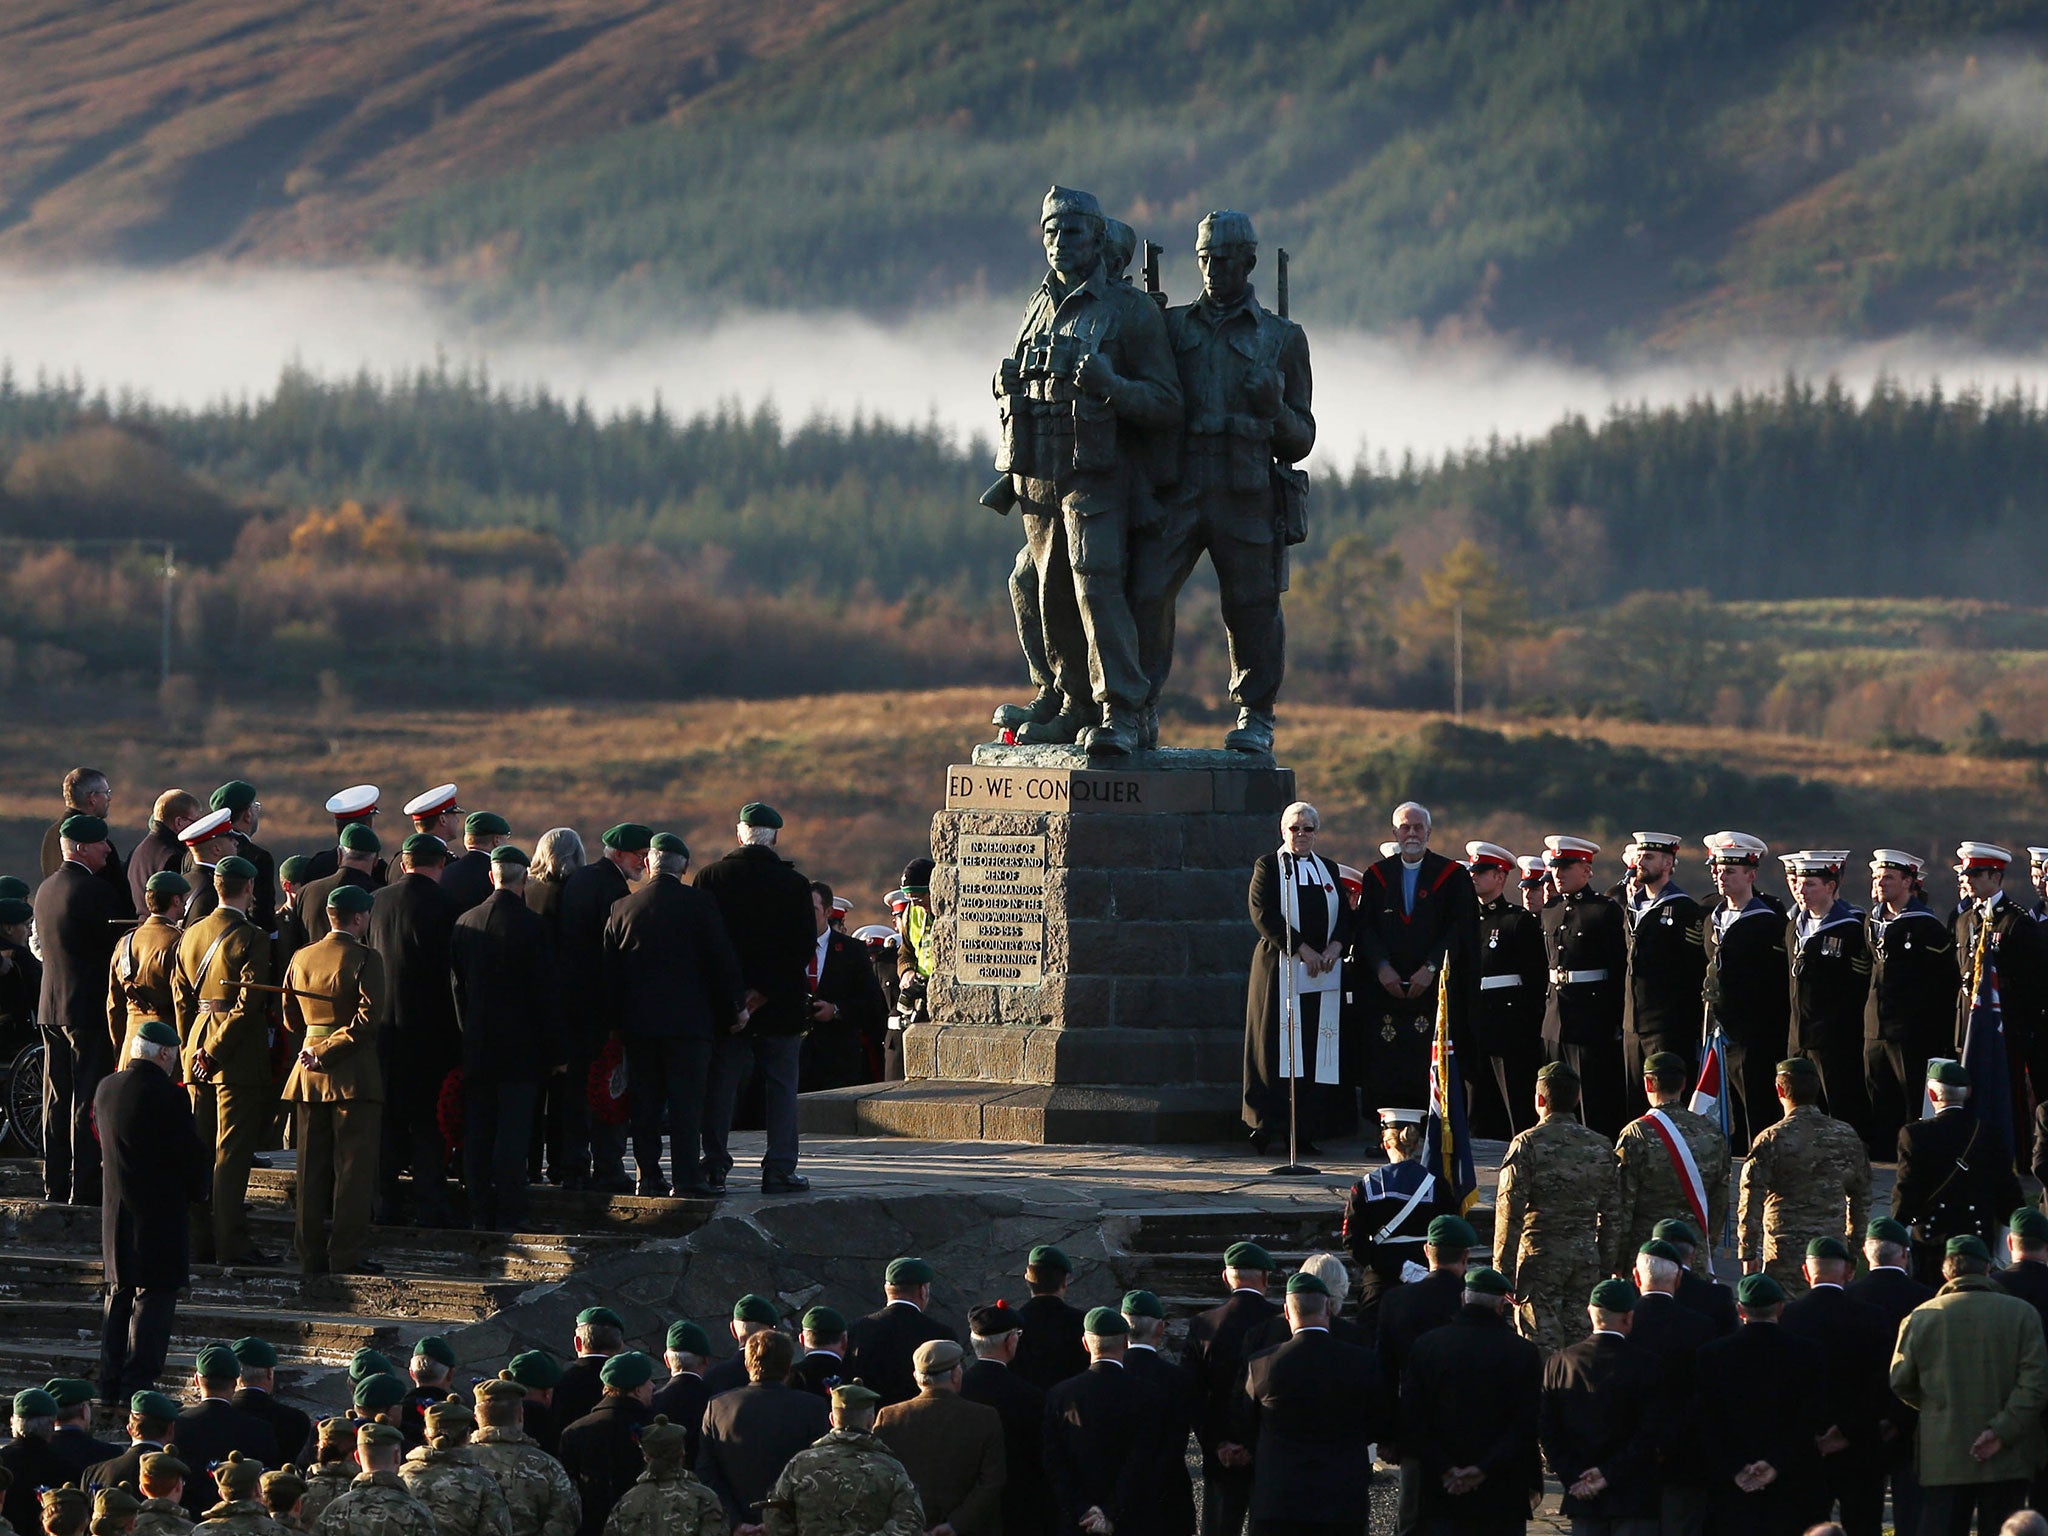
{"points": [[1299, 912], [601, 1450], [1027, 1503], [411, 924], [1952, 1177], [1214, 1354], [592, 1153], [848, 1014], [1763, 1404], [1470, 1395], [75, 915], [1103, 1432], [1856, 1342], [1599, 1416]]}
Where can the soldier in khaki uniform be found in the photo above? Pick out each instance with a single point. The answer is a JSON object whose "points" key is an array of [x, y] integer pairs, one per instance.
{"points": [[329, 1478], [539, 1492], [846, 1481], [667, 1500], [139, 984], [1556, 1198], [1807, 1176], [114, 1510], [333, 1003], [163, 1502], [224, 1023], [445, 1475], [240, 1511], [284, 1491], [65, 1509], [1649, 1186], [377, 1502]]}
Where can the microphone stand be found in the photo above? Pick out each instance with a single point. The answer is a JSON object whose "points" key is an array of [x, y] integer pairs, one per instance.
{"points": [[1290, 1019]]}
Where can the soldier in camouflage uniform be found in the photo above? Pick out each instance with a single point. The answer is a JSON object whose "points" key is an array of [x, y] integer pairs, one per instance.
{"points": [[377, 1502], [240, 1511], [847, 1484], [1649, 1187], [445, 1475], [667, 1500], [114, 1511], [65, 1509], [1556, 1197], [283, 1492], [163, 1507], [1807, 1176], [329, 1478], [538, 1490]]}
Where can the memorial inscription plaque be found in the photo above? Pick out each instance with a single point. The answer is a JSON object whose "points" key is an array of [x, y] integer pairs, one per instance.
{"points": [[1000, 911]]}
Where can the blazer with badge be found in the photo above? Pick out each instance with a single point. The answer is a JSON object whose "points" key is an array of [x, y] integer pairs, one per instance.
{"points": [[1830, 977], [1667, 965], [411, 924], [1307, 1412], [1585, 939]]}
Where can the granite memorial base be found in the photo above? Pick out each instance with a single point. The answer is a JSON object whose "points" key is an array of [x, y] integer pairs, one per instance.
{"points": [[1093, 947]]}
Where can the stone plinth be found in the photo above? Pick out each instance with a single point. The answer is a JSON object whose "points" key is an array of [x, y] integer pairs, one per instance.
{"points": [[1092, 951]]}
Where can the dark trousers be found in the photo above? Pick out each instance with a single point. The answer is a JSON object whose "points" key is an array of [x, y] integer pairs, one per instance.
{"points": [[72, 1070], [548, 1147], [1308, 1528], [135, 1339], [733, 1058], [497, 1122], [1856, 1483], [1514, 1078], [1637, 1049], [1842, 1091], [1752, 1079], [1600, 1093], [671, 1075], [1226, 1497], [412, 1128], [892, 1056], [1946, 1508]]}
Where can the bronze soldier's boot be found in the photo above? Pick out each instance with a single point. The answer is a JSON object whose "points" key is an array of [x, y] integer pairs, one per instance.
{"points": [[1062, 729], [1014, 717], [1117, 736], [1254, 731], [1148, 729]]}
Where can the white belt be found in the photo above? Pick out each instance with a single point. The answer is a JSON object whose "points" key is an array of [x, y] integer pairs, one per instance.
{"points": [[1495, 983], [1566, 978]]}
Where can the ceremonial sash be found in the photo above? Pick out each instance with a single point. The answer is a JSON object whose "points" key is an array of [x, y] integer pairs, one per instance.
{"points": [[1328, 1013], [1682, 1163]]}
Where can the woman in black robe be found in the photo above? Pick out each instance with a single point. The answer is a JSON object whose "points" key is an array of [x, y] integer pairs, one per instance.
{"points": [[1298, 908]]}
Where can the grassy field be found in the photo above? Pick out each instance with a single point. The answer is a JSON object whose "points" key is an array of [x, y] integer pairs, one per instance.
{"points": [[858, 776]]}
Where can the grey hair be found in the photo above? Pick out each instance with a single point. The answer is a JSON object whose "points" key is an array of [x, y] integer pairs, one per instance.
{"points": [[1883, 1252], [1412, 805], [1948, 1093], [1315, 816], [986, 1344], [43, 1425], [149, 1050], [1659, 1271], [1310, 1303], [1145, 1330], [507, 873], [2024, 1522], [1329, 1268], [671, 863], [558, 854], [765, 836]]}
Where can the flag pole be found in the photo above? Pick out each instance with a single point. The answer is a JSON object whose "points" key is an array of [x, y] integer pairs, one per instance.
{"points": [[1290, 1018]]}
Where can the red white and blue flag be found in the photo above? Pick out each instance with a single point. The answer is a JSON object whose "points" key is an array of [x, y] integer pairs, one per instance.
{"points": [[1446, 1139], [1710, 1098], [1985, 1060]]}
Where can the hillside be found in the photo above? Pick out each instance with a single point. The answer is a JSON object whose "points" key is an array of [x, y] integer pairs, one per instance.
{"points": [[1599, 175]]}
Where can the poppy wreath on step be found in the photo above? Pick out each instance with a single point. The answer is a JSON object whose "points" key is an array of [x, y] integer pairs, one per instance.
{"points": [[608, 1093], [448, 1111]]}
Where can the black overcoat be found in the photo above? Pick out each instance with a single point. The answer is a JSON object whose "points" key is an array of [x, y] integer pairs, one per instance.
{"points": [[154, 1169]]}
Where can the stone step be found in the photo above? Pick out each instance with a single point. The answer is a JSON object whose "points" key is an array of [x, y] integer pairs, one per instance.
{"points": [[329, 1335], [46, 1276], [37, 1357], [549, 1209], [1203, 1234]]}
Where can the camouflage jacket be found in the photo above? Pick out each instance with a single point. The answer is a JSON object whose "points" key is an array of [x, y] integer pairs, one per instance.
{"points": [[846, 1484], [1556, 1193], [1807, 1176], [377, 1504], [463, 1498], [162, 1517], [667, 1503], [538, 1490], [325, 1482], [1649, 1188], [238, 1517]]}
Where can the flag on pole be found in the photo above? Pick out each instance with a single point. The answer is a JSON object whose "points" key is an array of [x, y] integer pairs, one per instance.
{"points": [[1446, 1139], [1984, 1055], [1710, 1098]]}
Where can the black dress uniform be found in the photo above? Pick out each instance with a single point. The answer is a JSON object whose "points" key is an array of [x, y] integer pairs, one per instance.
{"points": [[2018, 946], [1763, 1397], [879, 1349], [1507, 1015], [1051, 1349], [1103, 1432], [1439, 925], [1856, 1341], [1470, 1397], [1830, 981], [1667, 966], [411, 924], [1749, 995], [1600, 1410], [1586, 943], [1952, 1180], [1307, 1412], [1911, 1012]]}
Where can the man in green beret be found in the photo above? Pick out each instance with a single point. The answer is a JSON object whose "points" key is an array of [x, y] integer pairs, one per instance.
{"points": [[601, 1451], [1145, 1317], [751, 1314], [1671, 1334], [1856, 1341], [72, 1440], [432, 1369], [412, 922], [879, 1346], [467, 879], [257, 1397], [238, 798], [1051, 1349], [667, 1499], [1556, 1198], [538, 1373], [209, 1430], [357, 864], [445, 1475], [1807, 1176], [378, 1499], [1600, 1417], [1469, 1405], [150, 1417], [76, 916], [1214, 1355], [541, 1495], [686, 1351], [823, 1363], [847, 1481], [1672, 1163], [1951, 1180], [27, 1457], [600, 1334], [139, 981], [225, 1023], [1974, 1364], [1762, 1399], [594, 1147]]}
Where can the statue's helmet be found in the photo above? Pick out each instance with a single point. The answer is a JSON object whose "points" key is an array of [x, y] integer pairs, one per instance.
{"points": [[1226, 226], [1060, 200]]}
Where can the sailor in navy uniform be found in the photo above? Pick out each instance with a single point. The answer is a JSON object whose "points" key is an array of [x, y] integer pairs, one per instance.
{"points": [[1388, 1212], [1830, 974]]}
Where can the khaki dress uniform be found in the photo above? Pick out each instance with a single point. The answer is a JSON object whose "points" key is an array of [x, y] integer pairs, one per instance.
{"points": [[139, 986], [230, 1025], [338, 1105]]}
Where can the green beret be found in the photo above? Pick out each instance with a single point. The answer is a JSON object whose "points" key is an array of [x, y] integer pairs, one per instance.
{"points": [[1142, 1304], [853, 1395], [167, 882], [1247, 1257], [35, 1403], [1556, 1071], [378, 1434], [1046, 1256], [535, 1369], [357, 837], [600, 1317], [627, 1371], [1485, 1281], [293, 871], [70, 1391], [1667, 1064], [510, 853], [686, 1338], [1829, 1248], [825, 1324], [1105, 1323], [1657, 1248], [663, 1441], [1950, 1074], [368, 1362], [234, 867], [349, 900], [1672, 1230], [1758, 1290], [434, 1347], [908, 1272], [1967, 1245], [1616, 1296], [236, 795], [1452, 1232], [13, 887], [755, 814], [668, 842], [153, 1405], [374, 1394], [486, 823], [424, 846], [14, 911], [217, 1363], [257, 1352], [1302, 1283], [2028, 1225], [1885, 1229], [80, 828], [1799, 1067], [755, 1308], [157, 1032], [628, 837]]}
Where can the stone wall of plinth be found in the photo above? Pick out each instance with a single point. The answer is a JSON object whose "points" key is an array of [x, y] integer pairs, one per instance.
{"points": [[1092, 952]]}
